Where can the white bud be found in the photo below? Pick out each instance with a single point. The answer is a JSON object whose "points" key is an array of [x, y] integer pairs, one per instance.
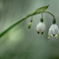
{"points": [[40, 28]]}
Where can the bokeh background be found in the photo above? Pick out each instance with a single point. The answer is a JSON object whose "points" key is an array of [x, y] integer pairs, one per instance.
{"points": [[21, 42]]}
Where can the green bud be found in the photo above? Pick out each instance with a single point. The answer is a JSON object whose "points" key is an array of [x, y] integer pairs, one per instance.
{"points": [[29, 25], [41, 19]]}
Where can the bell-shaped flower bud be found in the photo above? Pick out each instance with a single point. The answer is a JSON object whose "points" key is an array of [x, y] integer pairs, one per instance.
{"points": [[40, 27], [53, 31], [30, 24]]}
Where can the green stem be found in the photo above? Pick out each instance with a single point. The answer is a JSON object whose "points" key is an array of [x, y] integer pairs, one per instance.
{"points": [[37, 11], [42, 15], [41, 18], [31, 19], [54, 20], [13, 25], [49, 13]]}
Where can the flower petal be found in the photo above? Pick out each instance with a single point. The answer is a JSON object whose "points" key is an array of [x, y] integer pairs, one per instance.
{"points": [[40, 27]]}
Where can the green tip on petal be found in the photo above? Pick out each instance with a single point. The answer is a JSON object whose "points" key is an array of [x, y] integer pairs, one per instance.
{"points": [[38, 32], [42, 33], [53, 34], [56, 37]]}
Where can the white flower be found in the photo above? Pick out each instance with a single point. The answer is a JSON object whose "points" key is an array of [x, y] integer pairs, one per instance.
{"points": [[53, 31], [40, 28]]}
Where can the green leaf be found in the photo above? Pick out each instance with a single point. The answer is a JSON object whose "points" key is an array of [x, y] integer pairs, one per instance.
{"points": [[39, 10], [42, 9]]}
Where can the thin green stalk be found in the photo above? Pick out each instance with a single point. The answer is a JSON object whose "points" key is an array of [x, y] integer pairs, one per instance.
{"points": [[13, 26], [37, 11], [42, 15], [54, 20], [49, 13]]}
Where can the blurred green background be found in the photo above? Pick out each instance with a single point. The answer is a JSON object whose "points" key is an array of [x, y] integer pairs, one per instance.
{"points": [[21, 42]]}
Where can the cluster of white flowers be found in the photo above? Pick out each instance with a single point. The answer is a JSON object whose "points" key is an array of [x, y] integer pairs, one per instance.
{"points": [[53, 30]]}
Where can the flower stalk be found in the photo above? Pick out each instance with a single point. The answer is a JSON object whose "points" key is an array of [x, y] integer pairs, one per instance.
{"points": [[41, 26], [41, 18], [54, 20], [37, 11]]}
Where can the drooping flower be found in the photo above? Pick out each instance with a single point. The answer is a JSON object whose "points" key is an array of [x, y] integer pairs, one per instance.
{"points": [[53, 31], [40, 27]]}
